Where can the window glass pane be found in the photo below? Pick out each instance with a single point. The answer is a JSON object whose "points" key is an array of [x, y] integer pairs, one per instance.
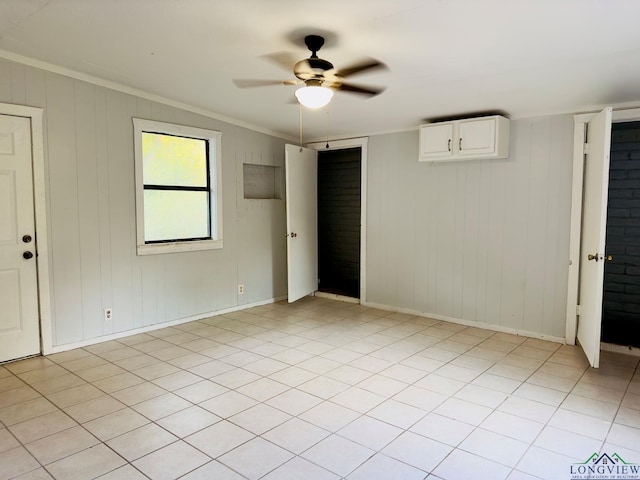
{"points": [[175, 215], [171, 160]]}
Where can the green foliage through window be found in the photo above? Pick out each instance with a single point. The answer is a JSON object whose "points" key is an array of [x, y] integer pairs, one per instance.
{"points": [[178, 198]]}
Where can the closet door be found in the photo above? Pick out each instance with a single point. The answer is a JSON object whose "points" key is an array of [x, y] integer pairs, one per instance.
{"points": [[302, 221], [592, 243]]}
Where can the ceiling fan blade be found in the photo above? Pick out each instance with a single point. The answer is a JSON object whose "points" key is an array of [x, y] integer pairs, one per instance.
{"points": [[240, 83], [350, 87], [285, 60], [364, 65]]}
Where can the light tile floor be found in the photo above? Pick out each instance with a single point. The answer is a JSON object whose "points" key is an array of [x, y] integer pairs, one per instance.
{"points": [[316, 390]]}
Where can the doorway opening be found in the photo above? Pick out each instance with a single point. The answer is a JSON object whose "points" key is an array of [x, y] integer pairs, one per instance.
{"points": [[339, 221], [621, 297]]}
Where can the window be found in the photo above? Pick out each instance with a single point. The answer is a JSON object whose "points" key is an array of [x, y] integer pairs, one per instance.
{"points": [[178, 194]]}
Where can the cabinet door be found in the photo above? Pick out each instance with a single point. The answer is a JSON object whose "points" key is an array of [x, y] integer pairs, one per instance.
{"points": [[436, 140], [476, 137]]}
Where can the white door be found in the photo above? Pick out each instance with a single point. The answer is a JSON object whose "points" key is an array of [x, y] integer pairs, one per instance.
{"points": [[592, 242], [302, 221], [19, 323]]}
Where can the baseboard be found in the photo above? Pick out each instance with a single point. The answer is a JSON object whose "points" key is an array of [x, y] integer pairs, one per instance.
{"points": [[459, 321], [158, 326], [468, 323]]}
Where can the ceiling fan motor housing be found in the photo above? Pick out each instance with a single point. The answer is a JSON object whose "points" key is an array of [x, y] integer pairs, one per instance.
{"points": [[311, 68], [314, 43]]}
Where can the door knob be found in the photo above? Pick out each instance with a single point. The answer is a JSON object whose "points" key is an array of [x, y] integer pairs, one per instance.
{"points": [[27, 255], [599, 256], [26, 238]]}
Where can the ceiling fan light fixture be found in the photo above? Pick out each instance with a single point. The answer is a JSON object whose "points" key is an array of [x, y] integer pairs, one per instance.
{"points": [[314, 96]]}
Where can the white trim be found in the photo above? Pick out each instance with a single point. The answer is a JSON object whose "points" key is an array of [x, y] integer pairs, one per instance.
{"points": [[119, 87], [468, 323], [361, 142], [626, 115], [580, 120], [159, 326], [571, 325], [214, 140], [40, 205]]}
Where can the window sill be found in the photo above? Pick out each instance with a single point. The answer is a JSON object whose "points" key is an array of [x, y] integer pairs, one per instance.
{"points": [[175, 247]]}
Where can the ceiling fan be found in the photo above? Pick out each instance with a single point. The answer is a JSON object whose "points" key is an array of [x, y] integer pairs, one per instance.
{"points": [[319, 76]]}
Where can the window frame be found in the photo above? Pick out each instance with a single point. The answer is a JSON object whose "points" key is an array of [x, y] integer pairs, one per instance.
{"points": [[213, 142]]}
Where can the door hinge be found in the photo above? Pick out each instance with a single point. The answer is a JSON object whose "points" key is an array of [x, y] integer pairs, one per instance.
{"points": [[585, 149], [578, 309]]}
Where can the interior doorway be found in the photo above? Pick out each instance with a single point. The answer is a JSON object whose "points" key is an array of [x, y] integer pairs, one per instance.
{"points": [[621, 298], [339, 221], [585, 309]]}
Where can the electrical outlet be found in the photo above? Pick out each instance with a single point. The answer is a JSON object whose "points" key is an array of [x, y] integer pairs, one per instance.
{"points": [[240, 289], [108, 314]]}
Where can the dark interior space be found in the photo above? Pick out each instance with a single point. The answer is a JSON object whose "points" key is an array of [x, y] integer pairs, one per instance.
{"points": [[339, 221], [621, 301]]}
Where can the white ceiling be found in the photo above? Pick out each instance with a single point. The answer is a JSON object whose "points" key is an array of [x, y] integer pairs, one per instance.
{"points": [[446, 58]]}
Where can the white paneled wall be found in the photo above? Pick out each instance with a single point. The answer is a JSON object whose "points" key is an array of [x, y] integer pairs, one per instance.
{"points": [[482, 241], [91, 213]]}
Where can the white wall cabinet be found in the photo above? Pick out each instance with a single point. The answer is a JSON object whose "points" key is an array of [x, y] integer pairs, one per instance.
{"points": [[484, 137]]}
